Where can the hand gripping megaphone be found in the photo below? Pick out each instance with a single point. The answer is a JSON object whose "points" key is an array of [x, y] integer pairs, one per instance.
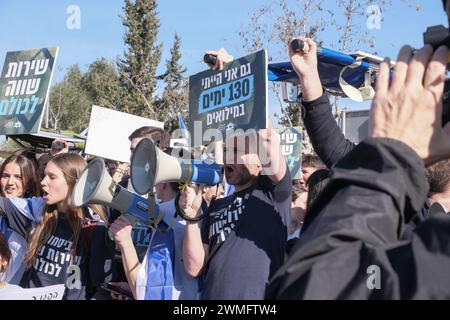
{"points": [[95, 186], [150, 166]]}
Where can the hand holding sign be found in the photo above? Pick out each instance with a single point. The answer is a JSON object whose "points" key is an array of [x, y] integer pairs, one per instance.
{"points": [[270, 154]]}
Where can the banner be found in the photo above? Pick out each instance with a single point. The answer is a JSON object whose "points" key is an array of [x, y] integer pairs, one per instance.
{"points": [[291, 145], [109, 131], [55, 292], [234, 98], [24, 86]]}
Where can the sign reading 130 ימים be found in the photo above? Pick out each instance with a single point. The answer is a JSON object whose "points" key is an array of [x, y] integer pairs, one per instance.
{"points": [[24, 86], [231, 99]]}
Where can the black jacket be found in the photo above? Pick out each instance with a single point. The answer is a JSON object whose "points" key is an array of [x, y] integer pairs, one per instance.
{"points": [[331, 145], [326, 137], [373, 190]]}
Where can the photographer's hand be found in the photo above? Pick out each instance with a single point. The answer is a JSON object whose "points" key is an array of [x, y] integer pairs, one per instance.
{"points": [[409, 107]]}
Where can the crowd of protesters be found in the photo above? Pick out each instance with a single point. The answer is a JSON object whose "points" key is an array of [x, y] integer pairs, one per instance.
{"points": [[379, 205]]}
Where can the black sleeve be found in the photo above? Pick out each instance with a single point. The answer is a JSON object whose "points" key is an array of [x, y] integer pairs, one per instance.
{"points": [[101, 254], [14, 218], [374, 190], [327, 139]]}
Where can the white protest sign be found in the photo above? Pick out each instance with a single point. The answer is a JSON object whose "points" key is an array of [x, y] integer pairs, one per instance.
{"points": [[55, 292], [109, 131]]}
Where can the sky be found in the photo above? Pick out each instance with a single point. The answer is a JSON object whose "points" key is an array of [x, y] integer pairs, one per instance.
{"points": [[202, 25]]}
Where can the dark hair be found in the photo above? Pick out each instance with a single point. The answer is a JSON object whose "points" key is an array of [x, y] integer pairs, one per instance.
{"points": [[297, 190], [159, 136], [312, 161], [439, 176], [5, 252], [316, 183], [27, 171]]}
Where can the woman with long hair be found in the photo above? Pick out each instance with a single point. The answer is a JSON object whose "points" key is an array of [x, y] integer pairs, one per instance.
{"points": [[69, 245], [17, 180]]}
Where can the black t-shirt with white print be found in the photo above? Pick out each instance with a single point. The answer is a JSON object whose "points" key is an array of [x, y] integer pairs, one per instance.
{"points": [[82, 276], [54, 264], [246, 233]]}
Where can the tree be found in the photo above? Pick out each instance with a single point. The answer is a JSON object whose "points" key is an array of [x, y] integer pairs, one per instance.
{"points": [[137, 70], [175, 95], [102, 83], [70, 102], [273, 26]]}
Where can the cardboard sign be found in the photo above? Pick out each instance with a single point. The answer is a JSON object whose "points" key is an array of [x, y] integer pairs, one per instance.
{"points": [[234, 98], [109, 131], [291, 145], [24, 86], [55, 292]]}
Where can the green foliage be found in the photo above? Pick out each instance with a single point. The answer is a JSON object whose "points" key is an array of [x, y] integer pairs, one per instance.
{"points": [[129, 84], [290, 116], [137, 69], [175, 95], [102, 83], [71, 100]]}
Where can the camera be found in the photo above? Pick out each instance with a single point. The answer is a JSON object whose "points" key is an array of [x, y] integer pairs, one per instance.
{"points": [[57, 146], [437, 36]]}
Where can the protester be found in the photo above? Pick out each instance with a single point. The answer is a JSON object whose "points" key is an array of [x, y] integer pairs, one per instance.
{"points": [[68, 245], [141, 234], [438, 176], [244, 241], [18, 180], [58, 146], [327, 139], [298, 211], [160, 275], [352, 249], [5, 259], [310, 164], [209, 193]]}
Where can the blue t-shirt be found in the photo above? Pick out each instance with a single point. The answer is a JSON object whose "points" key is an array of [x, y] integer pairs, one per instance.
{"points": [[246, 233], [162, 275]]}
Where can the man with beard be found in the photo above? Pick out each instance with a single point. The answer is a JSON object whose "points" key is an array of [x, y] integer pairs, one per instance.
{"points": [[242, 240]]}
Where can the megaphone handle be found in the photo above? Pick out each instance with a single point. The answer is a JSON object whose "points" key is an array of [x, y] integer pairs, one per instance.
{"points": [[151, 203]]}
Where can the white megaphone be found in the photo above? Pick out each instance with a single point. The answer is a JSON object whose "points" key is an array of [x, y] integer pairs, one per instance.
{"points": [[95, 186], [150, 166]]}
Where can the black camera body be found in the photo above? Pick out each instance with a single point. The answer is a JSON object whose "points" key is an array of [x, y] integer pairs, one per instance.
{"points": [[57, 146], [437, 36]]}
